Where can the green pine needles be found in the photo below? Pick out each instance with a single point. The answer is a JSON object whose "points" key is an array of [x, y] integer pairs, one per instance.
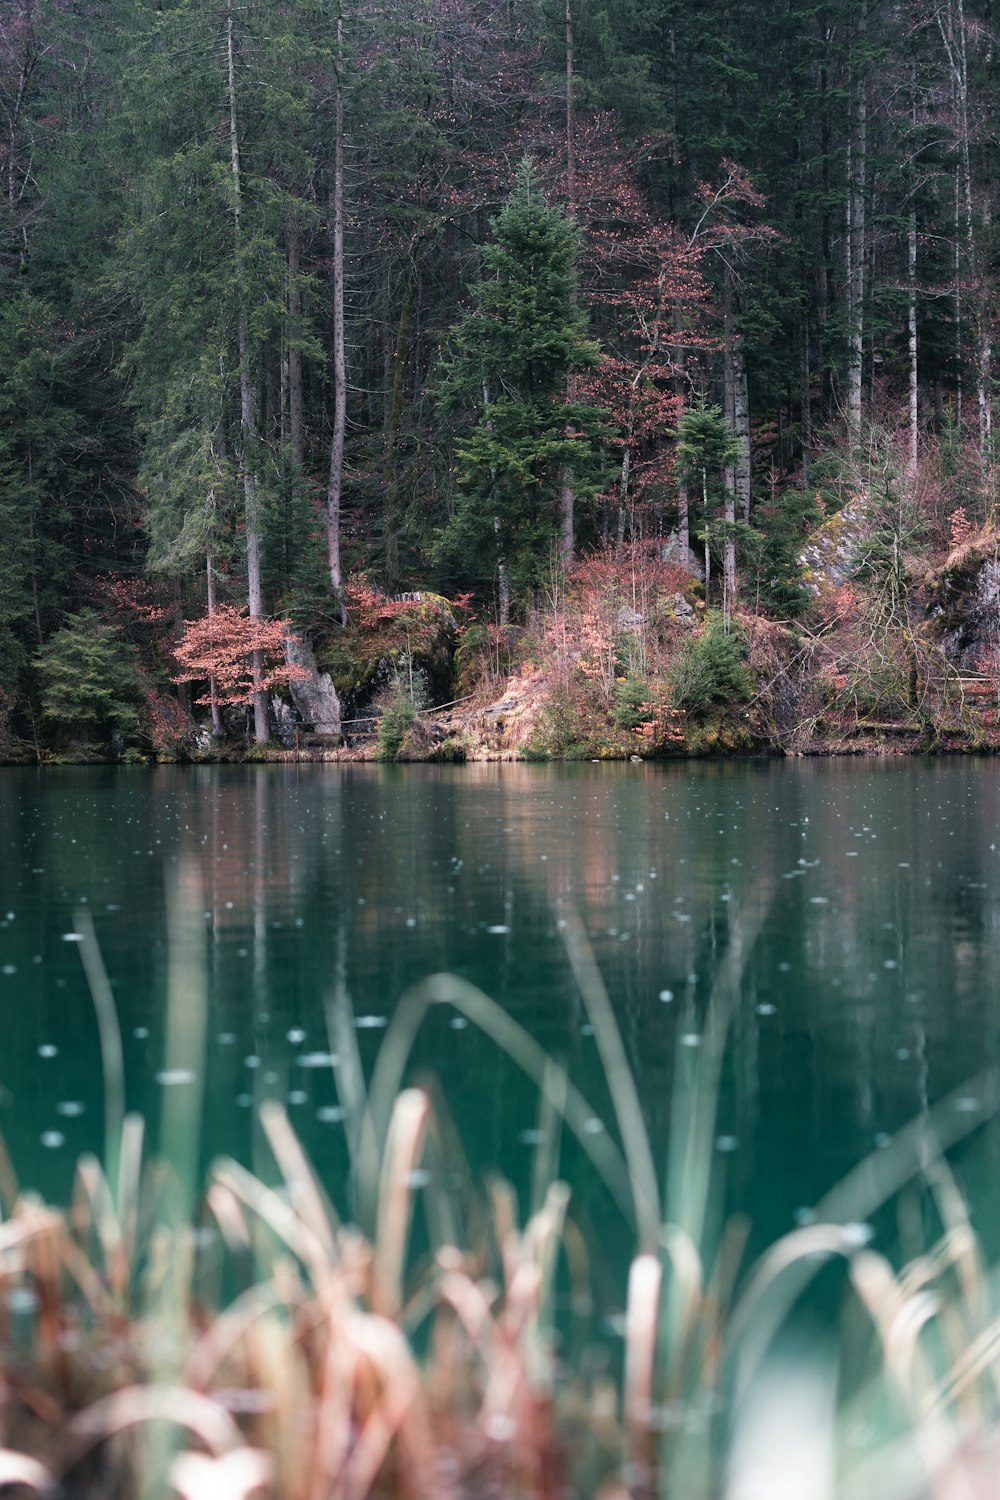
{"points": [[509, 381]]}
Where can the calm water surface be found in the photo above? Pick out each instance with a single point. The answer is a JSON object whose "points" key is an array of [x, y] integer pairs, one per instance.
{"points": [[322, 892]]}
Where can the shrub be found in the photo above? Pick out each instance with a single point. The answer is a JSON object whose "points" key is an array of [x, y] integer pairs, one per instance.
{"points": [[712, 669], [632, 702], [90, 689], [398, 704]]}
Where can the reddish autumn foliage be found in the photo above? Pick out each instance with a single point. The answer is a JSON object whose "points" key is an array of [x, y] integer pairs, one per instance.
{"points": [[223, 645], [959, 527]]}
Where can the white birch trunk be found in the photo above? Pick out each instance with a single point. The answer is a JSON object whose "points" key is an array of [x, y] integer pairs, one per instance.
{"points": [[336, 480], [855, 254]]}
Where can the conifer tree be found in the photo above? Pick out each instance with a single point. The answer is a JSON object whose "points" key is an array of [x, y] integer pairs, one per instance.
{"points": [[522, 337]]}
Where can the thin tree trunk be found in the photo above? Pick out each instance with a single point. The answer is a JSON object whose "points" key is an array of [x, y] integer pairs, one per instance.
{"points": [[503, 574], [806, 403], [336, 480], [911, 322], [623, 488], [183, 688], [296, 432], [393, 422], [683, 499], [729, 405], [252, 521], [213, 686], [566, 496], [704, 505], [741, 427], [855, 250]]}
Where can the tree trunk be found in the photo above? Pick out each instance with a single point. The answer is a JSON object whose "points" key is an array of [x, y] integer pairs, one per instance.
{"points": [[213, 686], [729, 407], [183, 688], [855, 249], [246, 455], [704, 506], [911, 323], [683, 500], [393, 422], [503, 575], [566, 496], [336, 480], [296, 435]]}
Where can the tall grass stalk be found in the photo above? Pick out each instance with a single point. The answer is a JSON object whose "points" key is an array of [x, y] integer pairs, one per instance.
{"points": [[302, 1380]]}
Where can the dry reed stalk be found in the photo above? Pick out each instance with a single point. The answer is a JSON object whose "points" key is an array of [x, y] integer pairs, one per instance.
{"points": [[493, 1020], [234, 1476], [404, 1144], [621, 1081], [26, 1473], [641, 1333]]}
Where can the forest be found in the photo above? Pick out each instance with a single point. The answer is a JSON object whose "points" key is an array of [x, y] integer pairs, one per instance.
{"points": [[452, 378]]}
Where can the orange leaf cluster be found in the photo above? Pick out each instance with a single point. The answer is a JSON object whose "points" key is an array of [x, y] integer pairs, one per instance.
{"points": [[223, 645]]}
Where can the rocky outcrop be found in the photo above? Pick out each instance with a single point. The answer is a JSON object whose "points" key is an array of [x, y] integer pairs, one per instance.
{"points": [[832, 551], [673, 551], [314, 694], [965, 602]]}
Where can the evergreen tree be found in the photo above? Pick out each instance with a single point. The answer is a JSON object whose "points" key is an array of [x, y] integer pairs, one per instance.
{"points": [[522, 337], [705, 449]]}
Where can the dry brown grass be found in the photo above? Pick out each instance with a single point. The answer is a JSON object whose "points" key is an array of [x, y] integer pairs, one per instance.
{"points": [[269, 1349]]}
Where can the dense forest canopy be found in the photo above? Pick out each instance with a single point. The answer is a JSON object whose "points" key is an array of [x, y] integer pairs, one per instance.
{"points": [[313, 302]]}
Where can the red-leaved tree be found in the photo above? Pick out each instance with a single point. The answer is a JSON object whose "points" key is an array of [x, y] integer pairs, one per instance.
{"points": [[221, 646]]}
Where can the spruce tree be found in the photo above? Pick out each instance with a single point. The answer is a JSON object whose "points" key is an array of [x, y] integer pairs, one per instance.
{"points": [[523, 336]]}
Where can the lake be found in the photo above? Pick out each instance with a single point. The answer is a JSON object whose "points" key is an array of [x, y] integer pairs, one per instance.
{"points": [[286, 909]]}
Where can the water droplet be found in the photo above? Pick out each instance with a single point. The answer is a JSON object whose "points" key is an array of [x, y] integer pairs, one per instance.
{"points": [[298, 1096], [52, 1139], [766, 1010], [47, 1050], [499, 928], [318, 1060], [968, 1104], [666, 996], [140, 1033], [690, 1039], [890, 963], [171, 1077], [726, 1143], [70, 1109], [9, 969], [370, 1023], [593, 1126], [417, 1177], [72, 937], [330, 1114], [296, 1035], [531, 1137], [458, 1023]]}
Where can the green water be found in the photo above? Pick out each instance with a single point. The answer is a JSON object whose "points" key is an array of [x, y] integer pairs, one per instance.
{"points": [[872, 989]]}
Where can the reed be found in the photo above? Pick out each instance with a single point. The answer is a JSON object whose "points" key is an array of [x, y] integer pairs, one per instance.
{"points": [[260, 1345]]}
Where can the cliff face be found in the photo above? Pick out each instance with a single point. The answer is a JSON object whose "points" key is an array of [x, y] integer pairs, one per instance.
{"points": [[964, 602]]}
